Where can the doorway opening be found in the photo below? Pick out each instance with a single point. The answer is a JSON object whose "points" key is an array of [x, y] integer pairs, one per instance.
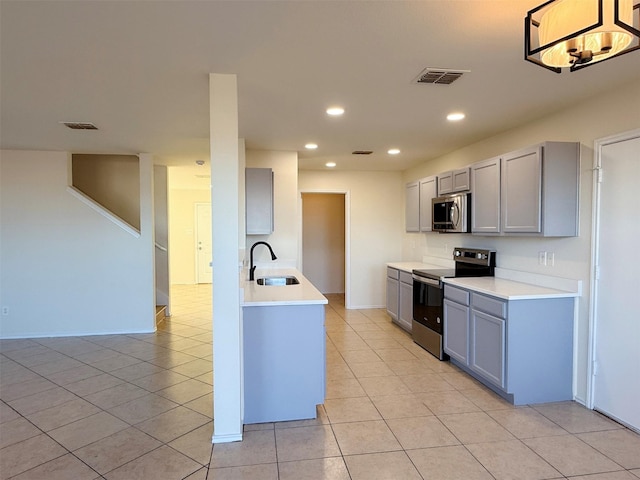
{"points": [[325, 231]]}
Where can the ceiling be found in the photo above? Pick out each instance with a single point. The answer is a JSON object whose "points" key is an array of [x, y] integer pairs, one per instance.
{"points": [[139, 71]]}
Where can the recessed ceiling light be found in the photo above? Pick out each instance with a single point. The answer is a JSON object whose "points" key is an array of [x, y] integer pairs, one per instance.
{"points": [[330, 164], [335, 111], [311, 146], [393, 151], [455, 117]]}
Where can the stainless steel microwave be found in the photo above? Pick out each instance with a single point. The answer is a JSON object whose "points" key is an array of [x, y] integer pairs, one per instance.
{"points": [[451, 214]]}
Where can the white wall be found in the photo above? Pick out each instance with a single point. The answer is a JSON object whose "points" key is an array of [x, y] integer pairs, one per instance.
{"points": [[597, 117], [375, 218], [67, 269], [284, 239]]}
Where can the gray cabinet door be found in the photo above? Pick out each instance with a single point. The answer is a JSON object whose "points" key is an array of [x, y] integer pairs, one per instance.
{"points": [[487, 356], [392, 297], [485, 196], [412, 207], [460, 180], [445, 183], [428, 191], [259, 201], [522, 191], [405, 313], [456, 331]]}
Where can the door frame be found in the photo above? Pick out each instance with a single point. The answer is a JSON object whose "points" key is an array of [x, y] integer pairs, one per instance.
{"points": [[595, 249], [347, 237]]}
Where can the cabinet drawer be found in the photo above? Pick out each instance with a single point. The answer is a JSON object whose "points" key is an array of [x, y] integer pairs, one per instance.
{"points": [[456, 295], [392, 273], [490, 305], [406, 278]]}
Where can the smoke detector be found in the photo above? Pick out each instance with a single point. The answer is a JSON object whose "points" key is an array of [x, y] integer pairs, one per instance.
{"points": [[440, 76]]}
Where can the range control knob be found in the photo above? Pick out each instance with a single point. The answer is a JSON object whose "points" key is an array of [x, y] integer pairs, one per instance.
{"points": [[457, 253]]}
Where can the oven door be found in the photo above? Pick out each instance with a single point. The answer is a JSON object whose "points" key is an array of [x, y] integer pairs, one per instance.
{"points": [[427, 303]]}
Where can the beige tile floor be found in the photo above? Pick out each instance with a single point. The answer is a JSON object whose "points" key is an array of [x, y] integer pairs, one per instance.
{"points": [[140, 406]]}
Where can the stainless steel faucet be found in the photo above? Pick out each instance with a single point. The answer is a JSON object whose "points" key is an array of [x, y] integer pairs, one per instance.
{"points": [[252, 266]]}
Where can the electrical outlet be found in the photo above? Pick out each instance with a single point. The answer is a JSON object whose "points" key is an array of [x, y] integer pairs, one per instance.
{"points": [[551, 259], [5, 310], [542, 258]]}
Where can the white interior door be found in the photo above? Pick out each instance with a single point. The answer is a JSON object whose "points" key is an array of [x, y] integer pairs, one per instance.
{"points": [[204, 256], [616, 353]]}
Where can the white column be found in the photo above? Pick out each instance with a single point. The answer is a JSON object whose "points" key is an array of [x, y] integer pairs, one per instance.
{"points": [[227, 389]]}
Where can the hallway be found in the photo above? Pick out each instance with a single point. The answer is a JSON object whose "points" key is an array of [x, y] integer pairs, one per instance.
{"points": [[139, 407]]}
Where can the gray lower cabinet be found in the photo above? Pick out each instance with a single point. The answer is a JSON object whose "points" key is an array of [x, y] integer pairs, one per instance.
{"points": [[393, 292], [284, 362], [488, 346], [521, 349], [456, 330], [405, 310], [400, 297]]}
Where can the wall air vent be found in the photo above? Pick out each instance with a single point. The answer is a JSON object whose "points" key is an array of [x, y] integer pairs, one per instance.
{"points": [[440, 76], [362, 152], [80, 125]]}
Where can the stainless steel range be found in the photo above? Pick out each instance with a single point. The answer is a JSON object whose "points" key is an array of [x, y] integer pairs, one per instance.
{"points": [[428, 294]]}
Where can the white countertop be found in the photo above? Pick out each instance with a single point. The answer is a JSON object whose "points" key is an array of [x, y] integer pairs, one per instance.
{"points": [[410, 266], [508, 289], [254, 295]]}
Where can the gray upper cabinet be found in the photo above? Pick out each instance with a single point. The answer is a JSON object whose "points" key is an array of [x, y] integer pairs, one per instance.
{"points": [[428, 190], [529, 192], [412, 207], [540, 190], [485, 197], [259, 201], [454, 181], [522, 191]]}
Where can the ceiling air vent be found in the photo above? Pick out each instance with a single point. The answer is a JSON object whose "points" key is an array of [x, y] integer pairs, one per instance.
{"points": [[441, 76], [362, 152], [80, 125]]}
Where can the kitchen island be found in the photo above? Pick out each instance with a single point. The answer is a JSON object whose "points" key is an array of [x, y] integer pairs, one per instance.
{"points": [[283, 348]]}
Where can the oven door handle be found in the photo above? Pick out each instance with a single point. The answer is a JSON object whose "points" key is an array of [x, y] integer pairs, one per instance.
{"points": [[428, 281]]}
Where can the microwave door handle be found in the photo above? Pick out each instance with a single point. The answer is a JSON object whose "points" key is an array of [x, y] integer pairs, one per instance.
{"points": [[455, 218]]}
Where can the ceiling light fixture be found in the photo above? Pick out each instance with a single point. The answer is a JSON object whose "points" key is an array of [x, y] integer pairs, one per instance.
{"points": [[311, 146], [200, 162], [393, 151], [330, 164], [335, 111], [455, 117], [579, 33]]}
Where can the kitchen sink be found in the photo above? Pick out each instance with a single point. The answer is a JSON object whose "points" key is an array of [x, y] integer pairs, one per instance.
{"points": [[278, 281]]}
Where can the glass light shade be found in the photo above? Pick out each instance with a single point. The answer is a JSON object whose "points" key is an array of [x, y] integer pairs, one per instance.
{"points": [[569, 16]]}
